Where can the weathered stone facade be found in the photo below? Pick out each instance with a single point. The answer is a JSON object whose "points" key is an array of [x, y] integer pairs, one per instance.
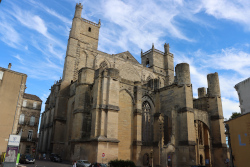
{"points": [[112, 104], [28, 123]]}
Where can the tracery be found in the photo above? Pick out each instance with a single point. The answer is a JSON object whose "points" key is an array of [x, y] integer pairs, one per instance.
{"points": [[146, 122]]}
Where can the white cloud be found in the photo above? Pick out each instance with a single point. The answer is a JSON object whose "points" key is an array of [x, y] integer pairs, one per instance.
{"points": [[51, 12], [231, 59], [18, 58], [9, 35], [234, 10], [30, 20], [229, 106], [48, 44], [138, 24]]}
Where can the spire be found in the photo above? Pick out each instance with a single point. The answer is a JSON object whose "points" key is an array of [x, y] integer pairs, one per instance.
{"points": [[153, 47], [141, 53]]}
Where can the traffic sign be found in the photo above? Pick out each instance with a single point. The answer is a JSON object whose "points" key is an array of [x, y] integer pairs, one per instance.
{"points": [[103, 155]]}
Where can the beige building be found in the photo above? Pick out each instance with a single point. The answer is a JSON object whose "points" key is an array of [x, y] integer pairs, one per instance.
{"points": [[239, 130], [144, 112], [239, 127], [28, 123], [18, 111], [12, 86]]}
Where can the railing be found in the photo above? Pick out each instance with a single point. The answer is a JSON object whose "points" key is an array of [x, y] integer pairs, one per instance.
{"points": [[158, 51], [147, 52], [90, 22], [150, 50]]}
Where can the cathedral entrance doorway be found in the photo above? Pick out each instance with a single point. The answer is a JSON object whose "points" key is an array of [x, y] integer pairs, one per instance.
{"points": [[146, 159], [203, 142]]}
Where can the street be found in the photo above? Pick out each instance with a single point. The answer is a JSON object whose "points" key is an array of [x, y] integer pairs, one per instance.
{"points": [[40, 163]]}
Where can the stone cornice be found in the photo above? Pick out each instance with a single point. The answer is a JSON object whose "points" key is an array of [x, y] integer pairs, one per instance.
{"points": [[97, 139], [219, 145], [186, 109], [107, 107], [137, 143], [187, 143], [216, 117], [137, 111]]}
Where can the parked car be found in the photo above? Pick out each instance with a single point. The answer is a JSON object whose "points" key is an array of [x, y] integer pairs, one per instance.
{"points": [[100, 165], [55, 157], [83, 163], [27, 159]]}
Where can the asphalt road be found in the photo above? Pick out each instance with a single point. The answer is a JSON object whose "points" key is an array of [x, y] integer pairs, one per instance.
{"points": [[40, 163]]}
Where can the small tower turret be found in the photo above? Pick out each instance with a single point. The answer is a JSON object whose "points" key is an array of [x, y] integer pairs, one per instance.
{"points": [[169, 64], [183, 74], [213, 85], [166, 48], [201, 92], [78, 11]]}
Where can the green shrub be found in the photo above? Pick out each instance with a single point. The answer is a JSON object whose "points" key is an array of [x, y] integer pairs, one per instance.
{"points": [[121, 163]]}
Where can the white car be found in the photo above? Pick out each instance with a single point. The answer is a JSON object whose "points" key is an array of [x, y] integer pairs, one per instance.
{"points": [[83, 163]]}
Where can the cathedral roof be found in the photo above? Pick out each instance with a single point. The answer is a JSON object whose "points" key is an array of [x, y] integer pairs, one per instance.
{"points": [[127, 56]]}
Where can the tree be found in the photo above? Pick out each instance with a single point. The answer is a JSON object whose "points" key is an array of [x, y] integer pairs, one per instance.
{"points": [[234, 115]]}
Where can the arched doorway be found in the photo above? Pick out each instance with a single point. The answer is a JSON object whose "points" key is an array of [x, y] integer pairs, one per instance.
{"points": [[146, 159], [203, 142], [201, 160]]}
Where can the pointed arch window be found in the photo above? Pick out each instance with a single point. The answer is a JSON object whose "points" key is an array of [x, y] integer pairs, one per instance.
{"points": [[147, 122], [103, 65], [21, 119], [148, 78], [32, 121]]}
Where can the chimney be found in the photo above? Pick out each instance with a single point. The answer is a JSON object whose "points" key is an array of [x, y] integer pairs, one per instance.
{"points": [[9, 66]]}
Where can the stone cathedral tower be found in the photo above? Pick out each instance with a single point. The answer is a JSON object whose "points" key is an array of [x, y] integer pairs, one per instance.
{"points": [[112, 104]]}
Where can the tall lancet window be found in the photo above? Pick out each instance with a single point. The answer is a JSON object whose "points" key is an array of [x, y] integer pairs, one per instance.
{"points": [[103, 65], [147, 123]]}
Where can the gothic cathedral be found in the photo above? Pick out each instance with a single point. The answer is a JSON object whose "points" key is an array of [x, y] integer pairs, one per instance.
{"points": [[144, 112]]}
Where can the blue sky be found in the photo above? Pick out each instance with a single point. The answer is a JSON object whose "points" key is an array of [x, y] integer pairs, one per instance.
{"points": [[212, 36]]}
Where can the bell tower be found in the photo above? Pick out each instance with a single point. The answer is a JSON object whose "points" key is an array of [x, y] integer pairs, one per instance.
{"points": [[83, 34], [161, 62]]}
